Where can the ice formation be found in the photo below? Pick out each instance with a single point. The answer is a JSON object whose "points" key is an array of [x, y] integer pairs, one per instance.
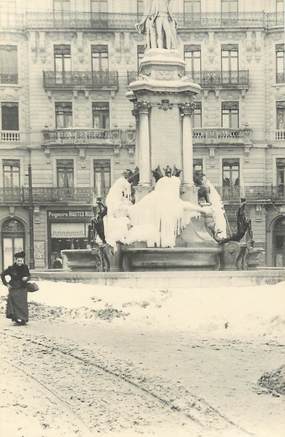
{"points": [[157, 219], [218, 211]]}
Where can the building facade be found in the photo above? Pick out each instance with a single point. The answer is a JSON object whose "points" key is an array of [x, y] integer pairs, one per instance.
{"points": [[67, 130]]}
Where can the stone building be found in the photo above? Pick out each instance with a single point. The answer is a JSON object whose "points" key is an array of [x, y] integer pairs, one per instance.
{"points": [[67, 129]]}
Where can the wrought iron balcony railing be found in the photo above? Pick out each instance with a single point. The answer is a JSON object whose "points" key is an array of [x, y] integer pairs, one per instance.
{"points": [[113, 21], [221, 135], [7, 78], [10, 136], [266, 193], [80, 80], [221, 79]]}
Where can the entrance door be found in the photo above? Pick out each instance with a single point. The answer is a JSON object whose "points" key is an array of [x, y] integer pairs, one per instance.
{"points": [[13, 240], [279, 243]]}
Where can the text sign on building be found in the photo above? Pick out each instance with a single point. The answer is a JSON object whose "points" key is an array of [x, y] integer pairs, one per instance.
{"points": [[73, 230], [72, 214]]}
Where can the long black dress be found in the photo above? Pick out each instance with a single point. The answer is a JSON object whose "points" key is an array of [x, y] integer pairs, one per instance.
{"points": [[17, 302]]}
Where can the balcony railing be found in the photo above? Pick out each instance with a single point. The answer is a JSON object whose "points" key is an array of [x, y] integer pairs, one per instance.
{"points": [[266, 193], [6, 78], [80, 80], [280, 135], [81, 136], [221, 79], [113, 21], [221, 135], [10, 136]]}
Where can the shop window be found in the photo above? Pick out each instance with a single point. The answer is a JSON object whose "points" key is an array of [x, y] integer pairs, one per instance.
{"points": [[192, 57], [102, 177], [280, 63], [9, 116], [101, 115], [230, 115], [8, 64], [13, 240], [11, 173], [63, 115], [99, 57], [65, 173]]}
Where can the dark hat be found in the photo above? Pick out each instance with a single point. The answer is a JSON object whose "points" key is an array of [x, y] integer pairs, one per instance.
{"points": [[243, 199], [19, 254]]}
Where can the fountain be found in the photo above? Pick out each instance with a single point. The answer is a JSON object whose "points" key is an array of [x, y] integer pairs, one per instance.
{"points": [[166, 228]]}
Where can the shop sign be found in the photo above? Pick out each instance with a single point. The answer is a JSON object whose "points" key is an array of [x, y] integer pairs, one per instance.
{"points": [[73, 230], [69, 214]]}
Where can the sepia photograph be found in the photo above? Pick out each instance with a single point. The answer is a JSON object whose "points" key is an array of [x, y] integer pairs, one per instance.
{"points": [[142, 218]]}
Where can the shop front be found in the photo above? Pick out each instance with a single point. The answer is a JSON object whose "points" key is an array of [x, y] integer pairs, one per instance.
{"points": [[279, 242], [67, 229]]}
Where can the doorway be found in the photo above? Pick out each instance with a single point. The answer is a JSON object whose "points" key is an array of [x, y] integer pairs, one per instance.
{"points": [[13, 240], [279, 242]]}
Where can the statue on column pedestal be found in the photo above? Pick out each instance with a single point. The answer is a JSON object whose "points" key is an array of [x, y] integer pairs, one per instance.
{"points": [[159, 26]]}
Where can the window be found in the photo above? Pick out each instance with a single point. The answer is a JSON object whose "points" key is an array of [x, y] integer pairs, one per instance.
{"points": [[62, 62], [101, 115], [9, 116], [65, 173], [61, 9], [140, 55], [100, 57], [140, 8], [99, 12], [8, 64], [229, 10], [280, 115], [192, 57], [231, 173], [280, 63], [13, 240], [230, 64], [192, 11], [63, 115], [11, 173], [280, 171], [197, 165], [230, 115], [197, 115], [102, 177]]}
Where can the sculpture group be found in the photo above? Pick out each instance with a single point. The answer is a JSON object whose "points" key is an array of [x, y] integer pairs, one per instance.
{"points": [[159, 26]]}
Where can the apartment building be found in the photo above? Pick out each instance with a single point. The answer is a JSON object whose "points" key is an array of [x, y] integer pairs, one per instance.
{"points": [[67, 130]]}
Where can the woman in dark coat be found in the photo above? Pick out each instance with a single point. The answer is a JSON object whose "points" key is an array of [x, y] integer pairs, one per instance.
{"points": [[15, 277]]}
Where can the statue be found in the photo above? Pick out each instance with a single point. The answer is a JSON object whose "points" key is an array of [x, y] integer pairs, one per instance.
{"points": [[158, 26]]}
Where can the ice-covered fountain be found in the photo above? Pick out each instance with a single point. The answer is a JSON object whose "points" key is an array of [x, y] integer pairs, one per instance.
{"points": [[166, 228]]}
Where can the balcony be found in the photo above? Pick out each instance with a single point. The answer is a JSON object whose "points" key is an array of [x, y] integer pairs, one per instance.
{"points": [[45, 195], [226, 136], [77, 136], [280, 134], [8, 79], [221, 79], [10, 136], [260, 193], [81, 80]]}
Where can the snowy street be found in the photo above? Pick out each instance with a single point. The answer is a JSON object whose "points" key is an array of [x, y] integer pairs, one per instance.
{"points": [[117, 361]]}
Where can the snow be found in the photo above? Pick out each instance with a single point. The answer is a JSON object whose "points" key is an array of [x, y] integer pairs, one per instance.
{"points": [[239, 312]]}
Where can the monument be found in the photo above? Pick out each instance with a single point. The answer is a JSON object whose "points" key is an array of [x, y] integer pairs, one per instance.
{"points": [[162, 226]]}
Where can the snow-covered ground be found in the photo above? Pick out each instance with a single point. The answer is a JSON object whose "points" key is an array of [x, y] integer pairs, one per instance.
{"points": [[214, 342]]}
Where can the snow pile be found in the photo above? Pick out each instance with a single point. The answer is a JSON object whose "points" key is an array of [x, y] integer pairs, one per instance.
{"points": [[218, 211], [239, 312]]}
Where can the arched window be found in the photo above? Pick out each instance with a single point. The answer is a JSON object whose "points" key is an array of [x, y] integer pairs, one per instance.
{"points": [[13, 240]]}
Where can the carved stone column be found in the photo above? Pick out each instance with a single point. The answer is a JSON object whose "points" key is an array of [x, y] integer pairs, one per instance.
{"points": [[143, 109], [186, 111]]}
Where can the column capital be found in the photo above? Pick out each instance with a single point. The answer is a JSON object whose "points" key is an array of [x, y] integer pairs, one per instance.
{"points": [[187, 109], [142, 107]]}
